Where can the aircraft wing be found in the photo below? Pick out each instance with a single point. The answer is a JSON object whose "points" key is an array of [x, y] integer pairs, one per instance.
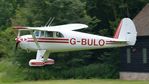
{"points": [[55, 28], [69, 27]]}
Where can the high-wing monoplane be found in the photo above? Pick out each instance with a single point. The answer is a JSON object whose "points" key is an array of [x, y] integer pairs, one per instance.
{"points": [[63, 38]]}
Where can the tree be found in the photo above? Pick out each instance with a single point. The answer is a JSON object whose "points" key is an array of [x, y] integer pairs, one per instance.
{"points": [[7, 10], [37, 13], [102, 16]]}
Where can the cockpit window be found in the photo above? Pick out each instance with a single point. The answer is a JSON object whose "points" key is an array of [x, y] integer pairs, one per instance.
{"points": [[48, 34], [59, 34], [36, 33], [42, 34]]}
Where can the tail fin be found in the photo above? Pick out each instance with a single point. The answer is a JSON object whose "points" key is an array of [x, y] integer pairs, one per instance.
{"points": [[126, 31]]}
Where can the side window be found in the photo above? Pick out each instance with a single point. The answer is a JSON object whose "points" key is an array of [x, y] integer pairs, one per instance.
{"points": [[42, 34], [48, 34], [36, 33], [58, 34], [53, 34]]}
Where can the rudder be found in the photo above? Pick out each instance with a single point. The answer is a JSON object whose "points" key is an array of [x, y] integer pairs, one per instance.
{"points": [[126, 31]]}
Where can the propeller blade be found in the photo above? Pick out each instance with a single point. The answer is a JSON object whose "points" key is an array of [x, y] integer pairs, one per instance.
{"points": [[16, 46], [17, 43]]}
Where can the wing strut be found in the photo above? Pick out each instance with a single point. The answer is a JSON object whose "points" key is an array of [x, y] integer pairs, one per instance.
{"points": [[34, 37], [49, 22]]}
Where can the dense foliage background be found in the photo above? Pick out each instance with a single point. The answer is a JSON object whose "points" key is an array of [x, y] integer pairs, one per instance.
{"points": [[102, 16]]}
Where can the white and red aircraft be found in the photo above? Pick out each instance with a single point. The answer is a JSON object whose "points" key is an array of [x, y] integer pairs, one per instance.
{"points": [[49, 39]]}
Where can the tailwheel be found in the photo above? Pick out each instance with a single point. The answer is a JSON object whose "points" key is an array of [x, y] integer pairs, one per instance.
{"points": [[35, 62]]}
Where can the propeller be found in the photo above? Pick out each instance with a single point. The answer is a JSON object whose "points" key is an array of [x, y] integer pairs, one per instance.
{"points": [[16, 46], [17, 43]]}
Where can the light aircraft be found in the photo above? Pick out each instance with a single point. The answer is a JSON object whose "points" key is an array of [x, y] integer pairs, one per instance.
{"points": [[63, 38]]}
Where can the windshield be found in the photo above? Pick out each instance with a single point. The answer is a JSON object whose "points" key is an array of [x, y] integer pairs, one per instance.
{"points": [[36, 33]]}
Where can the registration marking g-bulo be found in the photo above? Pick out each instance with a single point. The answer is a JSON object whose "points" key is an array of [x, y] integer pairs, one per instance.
{"points": [[88, 42]]}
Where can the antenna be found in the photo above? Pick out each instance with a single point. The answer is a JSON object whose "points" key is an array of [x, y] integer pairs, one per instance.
{"points": [[51, 21], [48, 21]]}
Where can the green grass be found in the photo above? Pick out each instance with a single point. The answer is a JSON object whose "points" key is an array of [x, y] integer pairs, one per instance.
{"points": [[81, 81]]}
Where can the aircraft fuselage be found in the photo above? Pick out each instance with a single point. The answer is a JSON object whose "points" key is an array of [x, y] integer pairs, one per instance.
{"points": [[71, 41]]}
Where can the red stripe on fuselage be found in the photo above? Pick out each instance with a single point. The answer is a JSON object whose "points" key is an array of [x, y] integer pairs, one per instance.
{"points": [[114, 42], [48, 41], [111, 43]]}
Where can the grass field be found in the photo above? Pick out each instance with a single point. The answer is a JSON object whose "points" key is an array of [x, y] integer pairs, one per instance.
{"points": [[83, 81]]}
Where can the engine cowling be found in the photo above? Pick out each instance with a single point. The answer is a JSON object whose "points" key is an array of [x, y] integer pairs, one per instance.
{"points": [[34, 62]]}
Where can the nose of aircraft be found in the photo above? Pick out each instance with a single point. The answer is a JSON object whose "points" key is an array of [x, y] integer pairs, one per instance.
{"points": [[19, 40], [22, 41]]}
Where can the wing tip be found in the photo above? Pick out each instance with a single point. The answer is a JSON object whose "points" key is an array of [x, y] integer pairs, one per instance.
{"points": [[19, 27]]}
